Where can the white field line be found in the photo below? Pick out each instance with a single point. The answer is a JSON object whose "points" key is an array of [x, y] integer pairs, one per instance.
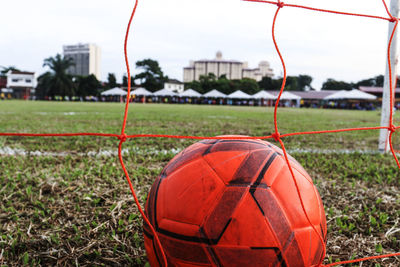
{"points": [[43, 113], [332, 151], [8, 151]]}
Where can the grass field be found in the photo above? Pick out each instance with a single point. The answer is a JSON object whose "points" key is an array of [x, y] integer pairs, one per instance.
{"points": [[65, 201]]}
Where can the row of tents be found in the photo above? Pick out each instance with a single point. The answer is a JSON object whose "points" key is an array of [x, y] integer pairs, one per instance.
{"points": [[190, 93]]}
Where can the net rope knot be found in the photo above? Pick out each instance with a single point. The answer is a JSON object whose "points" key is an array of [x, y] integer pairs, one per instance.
{"points": [[392, 128], [280, 4], [276, 136], [123, 137], [393, 19]]}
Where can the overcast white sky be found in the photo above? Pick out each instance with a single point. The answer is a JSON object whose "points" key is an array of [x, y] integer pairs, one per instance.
{"points": [[176, 31]]}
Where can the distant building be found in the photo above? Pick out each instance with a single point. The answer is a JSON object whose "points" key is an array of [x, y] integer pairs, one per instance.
{"points": [[232, 69], [86, 58], [174, 86], [22, 83]]}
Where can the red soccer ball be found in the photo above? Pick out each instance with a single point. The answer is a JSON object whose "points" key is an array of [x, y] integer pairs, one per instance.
{"points": [[234, 203]]}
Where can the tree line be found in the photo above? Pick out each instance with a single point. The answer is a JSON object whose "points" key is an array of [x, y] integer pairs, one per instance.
{"points": [[57, 82], [376, 81], [249, 86], [293, 83]]}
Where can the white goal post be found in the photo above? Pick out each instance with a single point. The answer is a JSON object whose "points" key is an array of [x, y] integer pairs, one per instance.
{"points": [[386, 105]]}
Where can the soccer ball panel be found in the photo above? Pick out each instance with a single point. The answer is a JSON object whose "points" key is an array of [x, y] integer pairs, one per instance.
{"points": [[190, 264], [149, 246], [185, 229], [225, 168], [257, 257], [280, 225], [220, 217], [189, 192], [248, 171], [286, 193], [239, 168], [236, 145], [310, 245], [242, 231], [191, 153], [184, 251], [275, 170]]}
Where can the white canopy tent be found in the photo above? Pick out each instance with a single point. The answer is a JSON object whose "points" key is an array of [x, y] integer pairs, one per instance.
{"points": [[141, 91], [114, 92], [190, 93], [353, 94], [288, 96], [263, 95], [214, 94], [165, 92], [239, 95]]}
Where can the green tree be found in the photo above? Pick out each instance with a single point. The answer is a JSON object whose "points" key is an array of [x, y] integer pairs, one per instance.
{"points": [[44, 83], [304, 83], [376, 81], [7, 69], [224, 85], [270, 84], [332, 84], [292, 83], [56, 81], [249, 86], [267, 83], [151, 76], [87, 85], [195, 85], [207, 82], [366, 82], [124, 80], [111, 81]]}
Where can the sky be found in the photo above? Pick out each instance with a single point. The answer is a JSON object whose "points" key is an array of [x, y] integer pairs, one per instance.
{"points": [[173, 32]]}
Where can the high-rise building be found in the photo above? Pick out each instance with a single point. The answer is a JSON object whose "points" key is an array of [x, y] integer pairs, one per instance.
{"points": [[232, 69], [86, 58]]}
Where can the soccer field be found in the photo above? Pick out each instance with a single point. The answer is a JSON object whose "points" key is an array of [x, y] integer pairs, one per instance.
{"points": [[66, 201], [201, 120]]}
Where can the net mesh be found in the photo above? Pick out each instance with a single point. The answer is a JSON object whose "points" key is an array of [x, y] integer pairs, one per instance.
{"points": [[123, 137]]}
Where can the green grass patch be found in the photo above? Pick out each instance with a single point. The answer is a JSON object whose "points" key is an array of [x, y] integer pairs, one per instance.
{"points": [[199, 120], [74, 206]]}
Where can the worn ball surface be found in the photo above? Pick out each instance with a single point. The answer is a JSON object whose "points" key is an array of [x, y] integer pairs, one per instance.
{"points": [[234, 203]]}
